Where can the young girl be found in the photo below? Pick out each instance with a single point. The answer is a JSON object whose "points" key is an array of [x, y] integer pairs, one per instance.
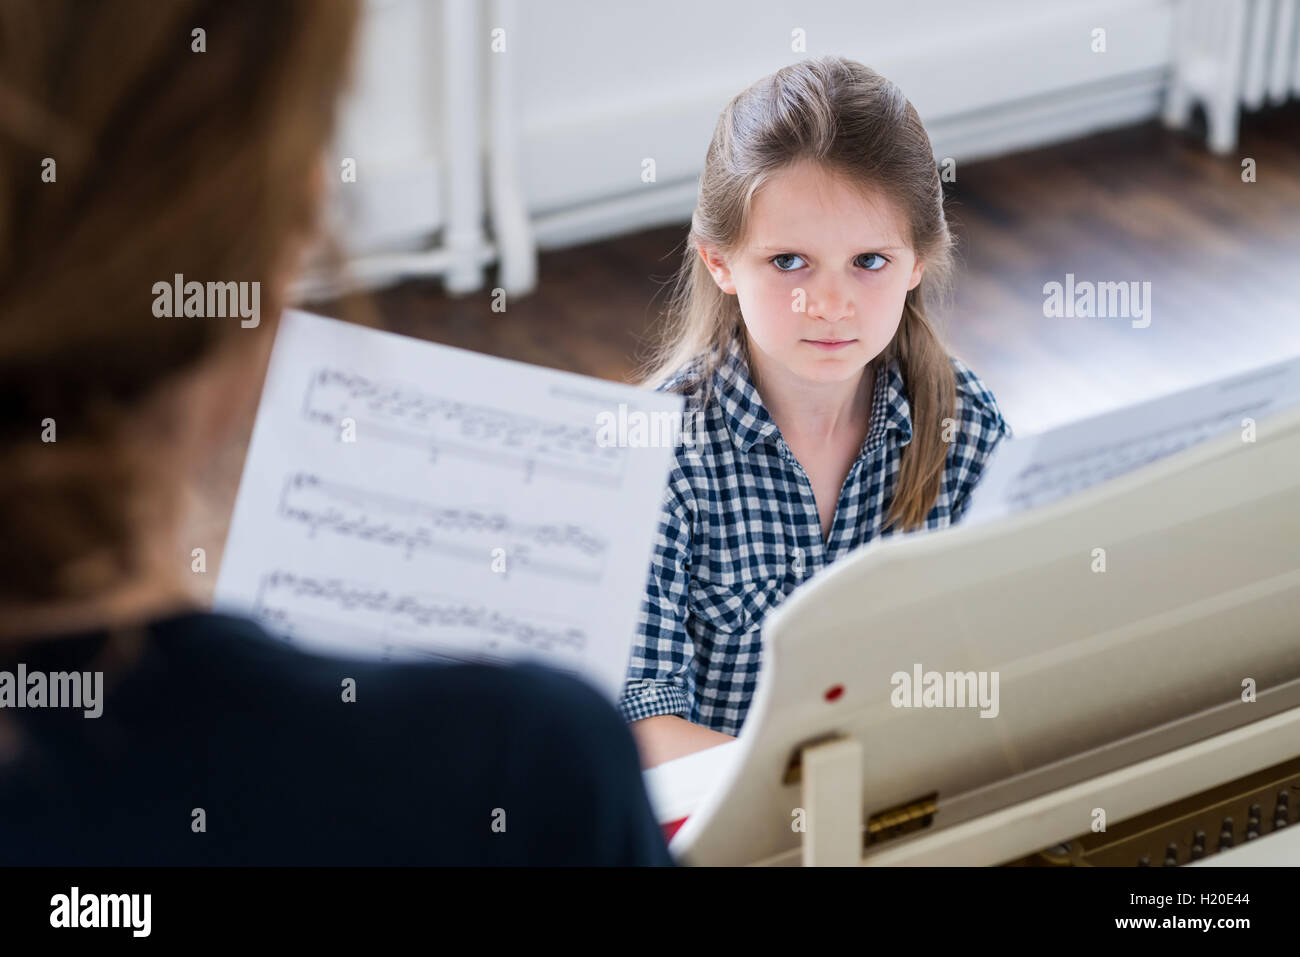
{"points": [[830, 412]]}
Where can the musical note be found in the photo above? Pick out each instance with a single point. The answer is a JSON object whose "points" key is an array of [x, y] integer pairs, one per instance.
{"points": [[1045, 481], [1034, 470], [406, 619], [402, 415], [411, 526]]}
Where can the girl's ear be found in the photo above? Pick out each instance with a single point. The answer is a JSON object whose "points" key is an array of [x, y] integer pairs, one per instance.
{"points": [[915, 279], [718, 269]]}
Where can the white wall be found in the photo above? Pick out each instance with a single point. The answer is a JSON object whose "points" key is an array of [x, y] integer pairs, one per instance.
{"points": [[608, 85], [389, 124], [599, 86]]}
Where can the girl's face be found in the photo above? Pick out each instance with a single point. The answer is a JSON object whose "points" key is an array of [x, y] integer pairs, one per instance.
{"points": [[821, 276]]}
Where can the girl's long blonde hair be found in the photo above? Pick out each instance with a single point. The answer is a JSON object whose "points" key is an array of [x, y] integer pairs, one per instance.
{"points": [[858, 125]]}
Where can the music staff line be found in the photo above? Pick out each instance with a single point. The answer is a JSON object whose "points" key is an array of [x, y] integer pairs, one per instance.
{"points": [[408, 618], [386, 648], [1065, 474], [320, 632], [492, 528], [536, 446]]}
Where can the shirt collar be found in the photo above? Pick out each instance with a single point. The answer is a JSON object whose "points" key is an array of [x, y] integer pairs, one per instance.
{"points": [[750, 423]]}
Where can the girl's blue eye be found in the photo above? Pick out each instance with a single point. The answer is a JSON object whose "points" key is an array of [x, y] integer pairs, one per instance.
{"points": [[783, 261]]}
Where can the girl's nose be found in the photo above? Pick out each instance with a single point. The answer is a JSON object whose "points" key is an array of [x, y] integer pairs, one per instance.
{"points": [[829, 304]]}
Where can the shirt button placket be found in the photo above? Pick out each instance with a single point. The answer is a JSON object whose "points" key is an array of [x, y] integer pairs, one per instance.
{"points": [[811, 526], [850, 482]]}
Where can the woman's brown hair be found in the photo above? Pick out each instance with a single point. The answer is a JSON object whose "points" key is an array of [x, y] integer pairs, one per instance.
{"points": [[858, 125], [132, 149]]}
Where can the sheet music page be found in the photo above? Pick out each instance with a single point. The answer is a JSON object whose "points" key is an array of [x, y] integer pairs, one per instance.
{"points": [[1038, 469], [676, 788], [403, 499]]}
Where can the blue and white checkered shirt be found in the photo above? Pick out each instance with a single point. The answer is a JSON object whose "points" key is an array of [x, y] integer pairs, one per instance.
{"points": [[739, 531]]}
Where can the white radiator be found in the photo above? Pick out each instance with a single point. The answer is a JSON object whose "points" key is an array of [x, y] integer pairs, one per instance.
{"points": [[1231, 55]]}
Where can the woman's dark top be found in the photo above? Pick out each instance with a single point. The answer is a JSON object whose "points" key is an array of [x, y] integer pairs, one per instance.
{"points": [[431, 764]]}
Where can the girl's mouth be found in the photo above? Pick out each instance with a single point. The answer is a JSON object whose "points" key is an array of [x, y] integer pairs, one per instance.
{"points": [[830, 345]]}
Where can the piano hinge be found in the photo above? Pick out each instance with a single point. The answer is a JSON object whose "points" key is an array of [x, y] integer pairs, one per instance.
{"points": [[902, 819]]}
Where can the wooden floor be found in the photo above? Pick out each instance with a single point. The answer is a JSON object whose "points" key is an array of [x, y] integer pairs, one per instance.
{"points": [[1141, 204]]}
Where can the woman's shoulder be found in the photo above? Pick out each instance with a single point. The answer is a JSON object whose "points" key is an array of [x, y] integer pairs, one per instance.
{"points": [[226, 645], [279, 725], [543, 735], [192, 664]]}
